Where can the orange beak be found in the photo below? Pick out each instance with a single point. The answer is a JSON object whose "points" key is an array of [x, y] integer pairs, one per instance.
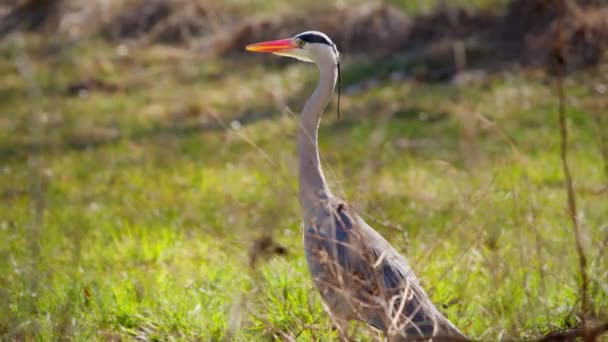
{"points": [[271, 46]]}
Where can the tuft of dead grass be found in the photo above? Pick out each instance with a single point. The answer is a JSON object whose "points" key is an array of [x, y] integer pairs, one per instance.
{"points": [[447, 39]]}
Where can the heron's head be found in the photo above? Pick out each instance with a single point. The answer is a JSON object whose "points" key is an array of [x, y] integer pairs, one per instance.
{"points": [[309, 46]]}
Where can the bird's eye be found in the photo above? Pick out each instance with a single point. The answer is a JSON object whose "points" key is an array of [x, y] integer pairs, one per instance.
{"points": [[301, 43]]}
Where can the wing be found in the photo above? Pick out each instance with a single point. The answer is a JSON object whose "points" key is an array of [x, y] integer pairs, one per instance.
{"points": [[408, 309], [361, 276]]}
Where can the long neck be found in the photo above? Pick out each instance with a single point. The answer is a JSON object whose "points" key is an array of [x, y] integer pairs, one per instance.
{"points": [[313, 187]]}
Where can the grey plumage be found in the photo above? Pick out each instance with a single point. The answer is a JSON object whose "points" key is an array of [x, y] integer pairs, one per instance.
{"points": [[362, 277], [358, 273]]}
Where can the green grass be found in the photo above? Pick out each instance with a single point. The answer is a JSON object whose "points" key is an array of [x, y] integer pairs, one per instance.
{"points": [[151, 201]]}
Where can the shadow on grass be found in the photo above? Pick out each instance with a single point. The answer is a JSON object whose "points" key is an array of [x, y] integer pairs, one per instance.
{"points": [[20, 151]]}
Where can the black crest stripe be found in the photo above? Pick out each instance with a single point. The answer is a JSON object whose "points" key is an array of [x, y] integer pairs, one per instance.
{"points": [[314, 38]]}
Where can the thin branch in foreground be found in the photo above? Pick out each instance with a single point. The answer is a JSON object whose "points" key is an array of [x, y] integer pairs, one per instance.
{"points": [[560, 58], [572, 197]]}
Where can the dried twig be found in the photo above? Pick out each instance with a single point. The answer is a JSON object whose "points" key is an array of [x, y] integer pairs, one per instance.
{"points": [[560, 58]]}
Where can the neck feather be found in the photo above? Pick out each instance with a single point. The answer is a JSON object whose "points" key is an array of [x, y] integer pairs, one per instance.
{"points": [[313, 187]]}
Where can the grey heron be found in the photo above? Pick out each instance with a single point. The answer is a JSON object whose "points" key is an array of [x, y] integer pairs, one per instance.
{"points": [[358, 273]]}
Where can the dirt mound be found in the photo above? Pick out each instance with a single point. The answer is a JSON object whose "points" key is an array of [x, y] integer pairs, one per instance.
{"points": [[137, 19], [528, 32], [448, 38], [30, 15], [539, 28], [179, 22], [375, 30], [159, 21], [448, 22]]}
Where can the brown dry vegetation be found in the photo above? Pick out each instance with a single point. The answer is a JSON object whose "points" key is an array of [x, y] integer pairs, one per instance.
{"points": [[521, 34]]}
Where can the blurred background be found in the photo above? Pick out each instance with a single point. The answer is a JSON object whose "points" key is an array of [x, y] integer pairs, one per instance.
{"points": [[148, 164]]}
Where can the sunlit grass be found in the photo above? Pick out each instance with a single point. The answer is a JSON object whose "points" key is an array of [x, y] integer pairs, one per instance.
{"points": [[154, 192]]}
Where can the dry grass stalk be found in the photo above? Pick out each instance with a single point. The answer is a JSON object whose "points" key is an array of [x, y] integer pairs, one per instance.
{"points": [[560, 58], [357, 283]]}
